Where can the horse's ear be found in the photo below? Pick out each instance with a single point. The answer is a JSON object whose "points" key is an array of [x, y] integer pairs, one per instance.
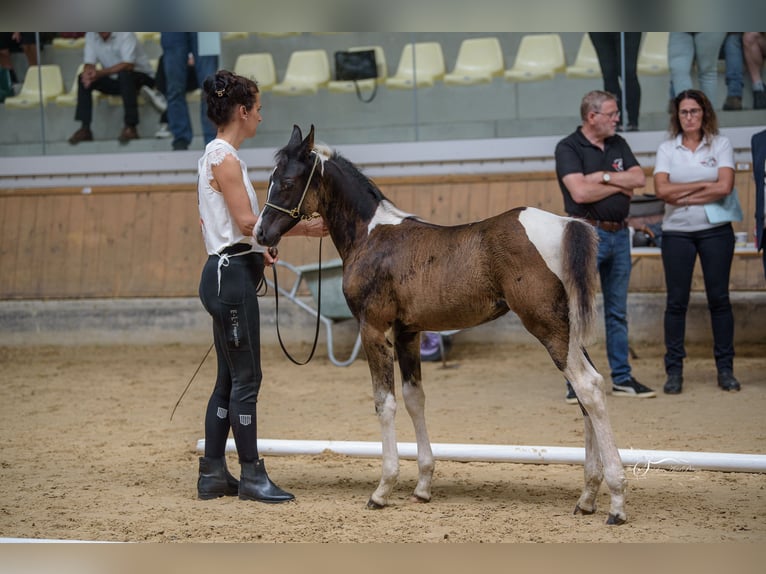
{"points": [[296, 136], [309, 142]]}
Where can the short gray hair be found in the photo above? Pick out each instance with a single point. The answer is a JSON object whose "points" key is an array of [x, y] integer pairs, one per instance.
{"points": [[592, 102]]}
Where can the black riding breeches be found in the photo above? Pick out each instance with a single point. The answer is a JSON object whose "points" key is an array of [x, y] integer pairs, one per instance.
{"points": [[228, 291]]}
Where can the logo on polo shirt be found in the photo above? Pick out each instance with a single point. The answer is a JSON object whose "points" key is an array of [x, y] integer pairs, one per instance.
{"points": [[617, 164], [709, 162]]}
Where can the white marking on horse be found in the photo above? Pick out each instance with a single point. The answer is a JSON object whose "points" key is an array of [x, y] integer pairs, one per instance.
{"points": [[387, 214], [544, 230]]}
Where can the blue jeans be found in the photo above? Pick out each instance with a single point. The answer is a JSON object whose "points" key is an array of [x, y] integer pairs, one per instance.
{"points": [[732, 53], [176, 47], [715, 248], [684, 48], [614, 266]]}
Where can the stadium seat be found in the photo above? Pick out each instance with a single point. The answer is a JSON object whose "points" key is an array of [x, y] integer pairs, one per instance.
{"points": [[258, 67], [586, 64], [32, 89], [347, 86], [307, 71], [540, 57], [478, 61], [69, 43], [147, 36], [421, 66], [653, 54], [235, 35]]}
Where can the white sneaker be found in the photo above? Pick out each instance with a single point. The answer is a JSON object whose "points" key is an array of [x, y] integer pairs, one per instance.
{"points": [[155, 98], [163, 132]]}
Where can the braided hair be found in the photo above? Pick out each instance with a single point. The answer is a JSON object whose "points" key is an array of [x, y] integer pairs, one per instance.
{"points": [[225, 92]]}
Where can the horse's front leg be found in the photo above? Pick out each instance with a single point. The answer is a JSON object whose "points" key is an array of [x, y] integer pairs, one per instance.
{"points": [[380, 359], [408, 354]]}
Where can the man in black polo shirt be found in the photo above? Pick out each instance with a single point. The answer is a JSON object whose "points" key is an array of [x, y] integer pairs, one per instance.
{"points": [[597, 173]]}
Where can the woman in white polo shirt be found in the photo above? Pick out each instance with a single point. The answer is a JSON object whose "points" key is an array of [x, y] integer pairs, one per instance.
{"points": [[693, 169]]}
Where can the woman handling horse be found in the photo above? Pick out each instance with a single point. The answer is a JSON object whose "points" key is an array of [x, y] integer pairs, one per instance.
{"points": [[228, 289]]}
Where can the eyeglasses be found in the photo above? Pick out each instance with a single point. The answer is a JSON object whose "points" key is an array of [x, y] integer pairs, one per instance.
{"points": [[610, 115], [690, 113]]}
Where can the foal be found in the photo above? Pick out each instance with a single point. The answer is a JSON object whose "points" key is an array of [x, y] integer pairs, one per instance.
{"points": [[402, 275]]}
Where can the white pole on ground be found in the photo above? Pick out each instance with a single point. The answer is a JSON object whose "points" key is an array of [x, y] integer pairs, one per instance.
{"points": [[667, 459]]}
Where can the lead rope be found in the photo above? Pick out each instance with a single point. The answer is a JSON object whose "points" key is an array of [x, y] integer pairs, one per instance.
{"points": [[178, 402], [319, 310]]}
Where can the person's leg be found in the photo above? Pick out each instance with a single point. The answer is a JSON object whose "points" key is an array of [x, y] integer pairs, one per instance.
{"points": [[129, 83], [707, 46], [608, 59], [614, 265], [679, 254], [632, 85], [205, 66], [680, 58], [754, 49], [732, 51], [716, 250], [175, 51]]}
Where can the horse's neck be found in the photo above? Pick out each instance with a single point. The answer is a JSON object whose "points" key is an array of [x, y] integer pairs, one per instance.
{"points": [[346, 206]]}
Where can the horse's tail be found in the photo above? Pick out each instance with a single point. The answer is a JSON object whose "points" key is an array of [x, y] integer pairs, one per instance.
{"points": [[580, 253]]}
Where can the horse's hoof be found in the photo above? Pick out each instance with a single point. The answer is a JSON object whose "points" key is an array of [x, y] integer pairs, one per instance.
{"points": [[616, 520], [579, 510], [372, 505], [418, 499]]}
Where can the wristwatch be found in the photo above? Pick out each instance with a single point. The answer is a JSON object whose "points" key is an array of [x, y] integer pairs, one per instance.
{"points": [[606, 178]]}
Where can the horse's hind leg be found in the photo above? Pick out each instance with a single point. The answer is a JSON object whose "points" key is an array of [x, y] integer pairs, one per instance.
{"points": [[381, 363], [602, 459], [408, 354]]}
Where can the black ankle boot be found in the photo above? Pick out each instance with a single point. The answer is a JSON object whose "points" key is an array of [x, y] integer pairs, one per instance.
{"points": [[214, 479], [255, 484]]}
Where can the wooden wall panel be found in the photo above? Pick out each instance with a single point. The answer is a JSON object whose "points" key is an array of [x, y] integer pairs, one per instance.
{"points": [[139, 242]]}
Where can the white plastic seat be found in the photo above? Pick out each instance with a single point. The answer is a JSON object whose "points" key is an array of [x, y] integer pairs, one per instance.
{"points": [[307, 71], [48, 84], [341, 86], [258, 67], [69, 43], [653, 54], [421, 66], [235, 35], [540, 57], [478, 61], [147, 36], [586, 64], [70, 98]]}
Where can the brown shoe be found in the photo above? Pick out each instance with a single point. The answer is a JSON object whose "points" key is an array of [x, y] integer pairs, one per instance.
{"points": [[128, 133], [81, 135]]}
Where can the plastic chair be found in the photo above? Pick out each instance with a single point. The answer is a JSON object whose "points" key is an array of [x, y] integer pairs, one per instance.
{"points": [[421, 66], [479, 60], [307, 71], [586, 64], [653, 55], [540, 57], [348, 86], [258, 67], [32, 89], [147, 36], [235, 35], [69, 43]]}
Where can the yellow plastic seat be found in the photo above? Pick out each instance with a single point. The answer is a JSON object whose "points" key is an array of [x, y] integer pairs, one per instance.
{"points": [[478, 61], [69, 43], [147, 36], [70, 98], [653, 54], [421, 64], [586, 64], [307, 71], [235, 35], [48, 84], [341, 86], [540, 57], [258, 67]]}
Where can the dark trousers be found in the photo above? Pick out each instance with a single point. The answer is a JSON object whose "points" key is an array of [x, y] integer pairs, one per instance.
{"points": [[715, 248], [233, 305], [126, 85], [607, 45]]}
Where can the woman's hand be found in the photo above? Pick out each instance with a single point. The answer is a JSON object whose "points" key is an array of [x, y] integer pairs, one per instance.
{"points": [[314, 227], [270, 256]]}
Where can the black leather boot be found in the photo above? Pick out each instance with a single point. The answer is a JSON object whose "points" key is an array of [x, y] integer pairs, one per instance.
{"points": [[214, 479], [255, 484]]}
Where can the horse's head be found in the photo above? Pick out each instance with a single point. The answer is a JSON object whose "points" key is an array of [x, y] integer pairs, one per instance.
{"points": [[292, 188]]}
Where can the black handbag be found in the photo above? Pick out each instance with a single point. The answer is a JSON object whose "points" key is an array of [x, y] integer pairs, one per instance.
{"points": [[355, 66]]}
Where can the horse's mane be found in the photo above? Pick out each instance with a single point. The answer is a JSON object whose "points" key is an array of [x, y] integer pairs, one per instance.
{"points": [[351, 170]]}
